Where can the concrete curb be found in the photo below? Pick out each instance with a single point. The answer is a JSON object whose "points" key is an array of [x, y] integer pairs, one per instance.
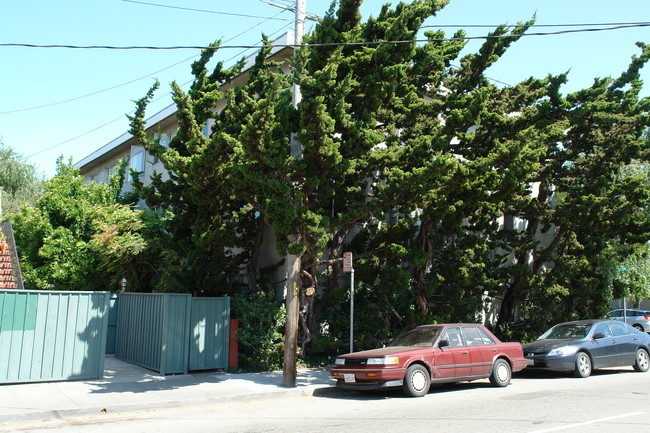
{"points": [[129, 388], [137, 407], [83, 412]]}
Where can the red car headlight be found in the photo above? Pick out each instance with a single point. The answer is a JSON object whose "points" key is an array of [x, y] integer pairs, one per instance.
{"points": [[386, 360]]}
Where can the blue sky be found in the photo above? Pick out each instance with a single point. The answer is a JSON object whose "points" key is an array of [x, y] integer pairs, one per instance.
{"points": [[35, 77]]}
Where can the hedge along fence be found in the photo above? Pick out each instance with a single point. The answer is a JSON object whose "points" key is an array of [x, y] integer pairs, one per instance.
{"points": [[172, 332], [52, 335]]}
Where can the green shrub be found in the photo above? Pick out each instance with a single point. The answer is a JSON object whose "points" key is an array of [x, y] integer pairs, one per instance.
{"points": [[261, 321]]}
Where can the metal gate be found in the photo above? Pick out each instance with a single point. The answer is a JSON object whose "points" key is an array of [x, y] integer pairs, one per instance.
{"points": [[210, 338], [172, 332]]}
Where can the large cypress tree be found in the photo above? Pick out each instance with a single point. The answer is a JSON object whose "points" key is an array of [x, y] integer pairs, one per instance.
{"points": [[592, 215], [413, 163]]}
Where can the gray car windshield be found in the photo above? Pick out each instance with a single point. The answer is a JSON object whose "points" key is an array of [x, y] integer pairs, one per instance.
{"points": [[417, 337], [573, 331]]}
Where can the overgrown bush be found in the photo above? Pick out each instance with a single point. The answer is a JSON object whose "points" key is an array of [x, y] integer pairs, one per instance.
{"points": [[260, 337]]}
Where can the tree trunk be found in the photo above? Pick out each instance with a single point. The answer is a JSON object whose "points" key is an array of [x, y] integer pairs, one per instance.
{"points": [[511, 299], [514, 295], [424, 243], [252, 268]]}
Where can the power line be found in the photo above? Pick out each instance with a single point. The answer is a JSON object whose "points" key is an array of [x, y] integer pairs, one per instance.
{"points": [[51, 104], [333, 44], [131, 81], [256, 25], [291, 8], [74, 138], [246, 47], [133, 111], [624, 25], [202, 10], [537, 25]]}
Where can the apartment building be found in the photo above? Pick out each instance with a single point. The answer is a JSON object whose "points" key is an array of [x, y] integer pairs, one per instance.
{"points": [[100, 164]]}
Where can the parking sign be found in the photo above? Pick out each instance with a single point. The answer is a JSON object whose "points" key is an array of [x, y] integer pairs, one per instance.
{"points": [[347, 262]]}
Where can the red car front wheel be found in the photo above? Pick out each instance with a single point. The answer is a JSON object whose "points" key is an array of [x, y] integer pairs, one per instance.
{"points": [[416, 381]]}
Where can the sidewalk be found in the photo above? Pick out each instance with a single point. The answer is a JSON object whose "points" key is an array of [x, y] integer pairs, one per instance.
{"points": [[127, 387]]}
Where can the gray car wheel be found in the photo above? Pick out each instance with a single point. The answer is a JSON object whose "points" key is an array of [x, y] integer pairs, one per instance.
{"points": [[501, 373], [416, 381], [583, 365], [642, 360]]}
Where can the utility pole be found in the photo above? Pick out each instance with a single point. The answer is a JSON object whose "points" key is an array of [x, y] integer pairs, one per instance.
{"points": [[292, 287], [349, 268]]}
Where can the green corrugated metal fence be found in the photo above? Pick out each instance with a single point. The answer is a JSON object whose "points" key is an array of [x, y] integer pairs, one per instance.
{"points": [[152, 331], [173, 333], [210, 338], [112, 324], [52, 335]]}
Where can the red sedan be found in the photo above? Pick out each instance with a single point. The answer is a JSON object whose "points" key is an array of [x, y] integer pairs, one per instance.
{"points": [[431, 353]]}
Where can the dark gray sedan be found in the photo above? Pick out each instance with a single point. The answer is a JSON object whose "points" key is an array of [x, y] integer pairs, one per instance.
{"points": [[584, 345]]}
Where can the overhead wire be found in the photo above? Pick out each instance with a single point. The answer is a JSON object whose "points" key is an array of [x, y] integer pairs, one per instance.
{"points": [[117, 86], [291, 8], [536, 25], [203, 10], [327, 44], [127, 82], [616, 26], [154, 100]]}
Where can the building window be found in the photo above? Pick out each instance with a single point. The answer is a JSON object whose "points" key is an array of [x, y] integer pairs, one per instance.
{"points": [[109, 171], [136, 163], [164, 140]]}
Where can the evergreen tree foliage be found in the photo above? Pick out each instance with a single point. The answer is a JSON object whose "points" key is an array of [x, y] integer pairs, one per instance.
{"points": [[457, 197], [631, 277], [591, 215], [220, 184]]}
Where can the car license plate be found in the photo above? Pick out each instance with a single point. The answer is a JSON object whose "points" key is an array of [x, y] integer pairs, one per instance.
{"points": [[349, 378], [531, 362]]}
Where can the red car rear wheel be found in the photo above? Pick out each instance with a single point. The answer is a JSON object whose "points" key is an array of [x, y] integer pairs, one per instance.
{"points": [[501, 373]]}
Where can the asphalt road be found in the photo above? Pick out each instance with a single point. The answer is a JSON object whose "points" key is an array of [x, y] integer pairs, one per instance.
{"points": [[609, 401]]}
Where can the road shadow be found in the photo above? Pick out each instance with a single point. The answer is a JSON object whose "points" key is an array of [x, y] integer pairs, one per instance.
{"points": [[444, 388], [546, 374], [346, 394], [396, 392]]}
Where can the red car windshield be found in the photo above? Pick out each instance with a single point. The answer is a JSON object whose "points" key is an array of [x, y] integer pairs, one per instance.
{"points": [[425, 337]]}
